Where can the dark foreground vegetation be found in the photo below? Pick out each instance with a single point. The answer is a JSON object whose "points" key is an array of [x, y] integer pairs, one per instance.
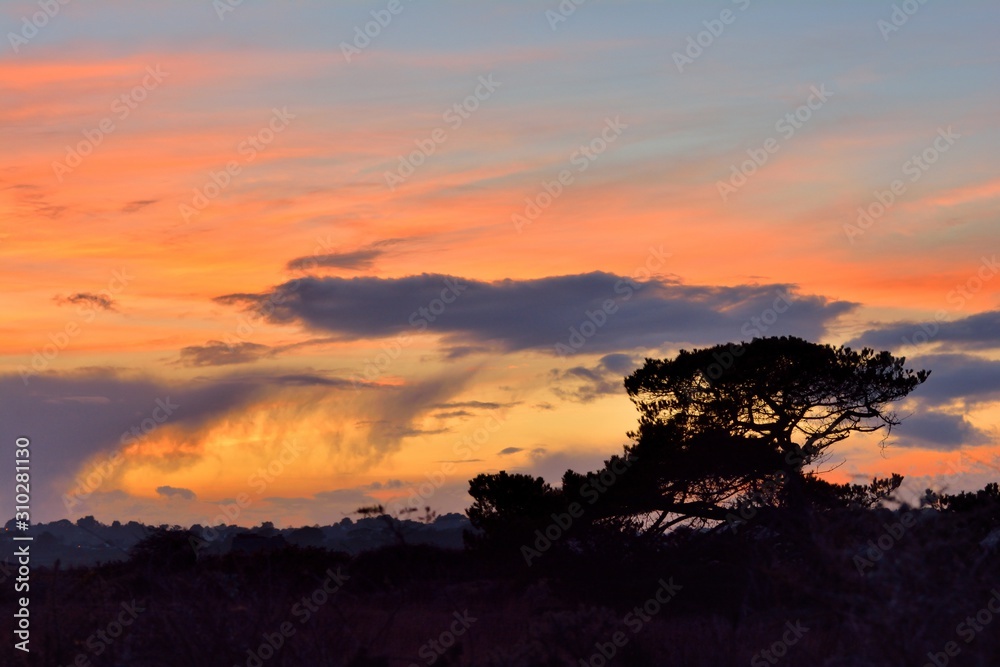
{"points": [[836, 588], [709, 542]]}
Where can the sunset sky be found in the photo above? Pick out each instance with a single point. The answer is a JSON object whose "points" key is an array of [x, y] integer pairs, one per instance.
{"points": [[317, 255]]}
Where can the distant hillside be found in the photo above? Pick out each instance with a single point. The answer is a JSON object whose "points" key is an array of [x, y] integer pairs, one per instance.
{"points": [[88, 541]]}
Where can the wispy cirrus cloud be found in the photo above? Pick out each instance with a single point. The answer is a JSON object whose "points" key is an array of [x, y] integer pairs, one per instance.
{"points": [[361, 259], [98, 300], [218, 353], [943, 431], [176, 492], [137, 205]]}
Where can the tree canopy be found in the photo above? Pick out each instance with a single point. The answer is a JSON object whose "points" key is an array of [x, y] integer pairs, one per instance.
{"points": [[724, 422], [793, 395], [723, 425]]}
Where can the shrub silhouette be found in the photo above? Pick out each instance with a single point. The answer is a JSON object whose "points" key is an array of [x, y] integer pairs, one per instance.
{"points": [[507, 509], [166, 549]]}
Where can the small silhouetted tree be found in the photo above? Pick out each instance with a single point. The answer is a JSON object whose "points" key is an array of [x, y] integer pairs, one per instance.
{"points": [[307, 536], [507, 508], [378, 512], [166, 550], [985, 500], [856, 496], [395, 524]]}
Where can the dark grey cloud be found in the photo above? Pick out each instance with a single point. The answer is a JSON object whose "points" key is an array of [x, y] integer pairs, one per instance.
{"points": [[361, 259], [265, 380], [583, 385], [175, 492], [312, 380], [956, 381], [399, 431], [454, 414], [975, 332], [510, 450], [592, 313], [474, 405], [98, 300], [358, 260], [218, 353], [460, 351], [391, 484], [138, 204], [938, 430], [622, 364], [957, 376]]}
